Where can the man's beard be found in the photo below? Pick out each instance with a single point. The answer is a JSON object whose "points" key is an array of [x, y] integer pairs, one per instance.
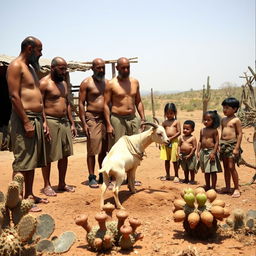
{"points": [[58, 78], [124, 75], [34, 62], [99, 76]]}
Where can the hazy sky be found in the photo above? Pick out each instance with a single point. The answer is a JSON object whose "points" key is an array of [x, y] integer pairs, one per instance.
{"points": [[178, 43]]}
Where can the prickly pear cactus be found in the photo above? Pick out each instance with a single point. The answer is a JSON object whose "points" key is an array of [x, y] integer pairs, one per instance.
{"points": [[19, 178], [10, 244], [26, 227], [45, 226], [21, 209], [13, 195], [6, 215]]}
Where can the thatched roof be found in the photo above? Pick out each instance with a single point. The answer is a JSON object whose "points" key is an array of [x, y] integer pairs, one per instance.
{"points": [[72, 65]]}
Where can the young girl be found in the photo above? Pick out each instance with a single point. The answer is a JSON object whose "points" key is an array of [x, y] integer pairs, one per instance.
{"points": [[170, 152], [207, 148]]}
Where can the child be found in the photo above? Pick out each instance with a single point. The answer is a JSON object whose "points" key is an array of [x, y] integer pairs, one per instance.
{"points": [[187, 148], [231, 137], [207, 148], [170, 152]]}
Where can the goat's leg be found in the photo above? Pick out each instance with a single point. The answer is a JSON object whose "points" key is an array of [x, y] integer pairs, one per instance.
{"points": [[103, 189], [116, 188], [131, 180]]}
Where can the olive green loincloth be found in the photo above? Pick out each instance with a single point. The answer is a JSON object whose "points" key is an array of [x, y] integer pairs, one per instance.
{"points": [[60, 145], [226, 150], [29, 153], [123, 125], [188, 164], [206, 165]]}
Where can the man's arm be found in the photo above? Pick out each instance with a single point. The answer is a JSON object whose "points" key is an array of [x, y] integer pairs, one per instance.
{"points": [[14, 73], [43, 87], [139, 104], [82, 98], [107, 101], [69, 113]]}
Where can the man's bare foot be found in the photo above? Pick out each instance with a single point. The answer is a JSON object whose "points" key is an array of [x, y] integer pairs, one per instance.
{"points": [[236, 193], [48, 191], [66, 188]]}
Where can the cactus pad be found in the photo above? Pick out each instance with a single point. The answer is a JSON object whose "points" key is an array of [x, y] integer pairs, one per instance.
{"points": [[19, 178], [26, 227], [64, 242], [45, 246], [2, 197], [45, 226], [10, 245], [13, 195], [6, 215], [20, 210]]}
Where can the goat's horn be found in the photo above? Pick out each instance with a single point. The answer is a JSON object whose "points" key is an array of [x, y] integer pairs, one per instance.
{"points": [[155, 119], [151, 124]]}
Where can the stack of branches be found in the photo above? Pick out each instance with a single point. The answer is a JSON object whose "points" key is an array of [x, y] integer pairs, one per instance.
{"points": [[247, 111]]}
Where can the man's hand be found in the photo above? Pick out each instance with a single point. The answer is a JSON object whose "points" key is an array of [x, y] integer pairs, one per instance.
{"points": [[110, 130], [235, 152], [73, 131], [46, 131], [86, 130], [212, 156], [29, 129]]}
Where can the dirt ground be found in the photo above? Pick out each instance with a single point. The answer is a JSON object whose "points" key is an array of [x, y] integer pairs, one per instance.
{"points": [[151, 204]]}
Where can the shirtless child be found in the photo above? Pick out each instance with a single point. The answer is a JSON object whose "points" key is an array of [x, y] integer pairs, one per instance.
{"points": [[186, 149], [170, 152], [231, 137]]}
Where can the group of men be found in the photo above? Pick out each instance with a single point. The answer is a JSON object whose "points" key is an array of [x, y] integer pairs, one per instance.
{"points": [[42, 127]]}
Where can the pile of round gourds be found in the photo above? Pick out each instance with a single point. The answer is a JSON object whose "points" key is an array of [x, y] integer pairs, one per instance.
{"points": [[199, 210]]}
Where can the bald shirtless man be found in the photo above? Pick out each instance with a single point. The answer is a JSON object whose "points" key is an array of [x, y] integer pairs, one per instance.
{"points": [[93, 121], [123, 95], [60, 122], [26, 124]]}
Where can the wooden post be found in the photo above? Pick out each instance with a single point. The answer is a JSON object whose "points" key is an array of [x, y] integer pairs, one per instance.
{"points": [[206, 96], [113, 70], [152, 104]]}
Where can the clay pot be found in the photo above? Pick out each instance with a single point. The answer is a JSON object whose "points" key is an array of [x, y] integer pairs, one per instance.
{"points": [[126, 230], [82, 220], [108, 208], [134, 222], [121, 215], [107, 242], [101, 217], [97, 244]]}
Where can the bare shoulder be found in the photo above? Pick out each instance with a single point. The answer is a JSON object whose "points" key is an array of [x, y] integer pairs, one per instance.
{"points": [[165, 123], [237, 120], [85, 82], [15, 65]]}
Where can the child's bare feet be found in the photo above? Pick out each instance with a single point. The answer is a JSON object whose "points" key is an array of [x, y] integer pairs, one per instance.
{"points": [[236, 193]]}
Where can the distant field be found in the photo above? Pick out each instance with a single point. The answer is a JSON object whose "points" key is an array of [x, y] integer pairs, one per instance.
{"points": [[192, 100]]}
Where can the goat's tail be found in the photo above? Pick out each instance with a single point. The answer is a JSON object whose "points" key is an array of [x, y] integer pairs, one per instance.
{"points": [[105, 169]]}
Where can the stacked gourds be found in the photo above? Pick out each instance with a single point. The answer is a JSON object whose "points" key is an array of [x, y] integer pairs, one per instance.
{"points": [[199, 211]]}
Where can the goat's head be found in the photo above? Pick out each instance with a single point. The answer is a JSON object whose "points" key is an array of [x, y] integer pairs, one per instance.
{"points": [[158, 133]]}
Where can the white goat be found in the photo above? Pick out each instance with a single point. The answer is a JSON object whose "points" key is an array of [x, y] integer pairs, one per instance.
{"points": [[125, 156]]}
